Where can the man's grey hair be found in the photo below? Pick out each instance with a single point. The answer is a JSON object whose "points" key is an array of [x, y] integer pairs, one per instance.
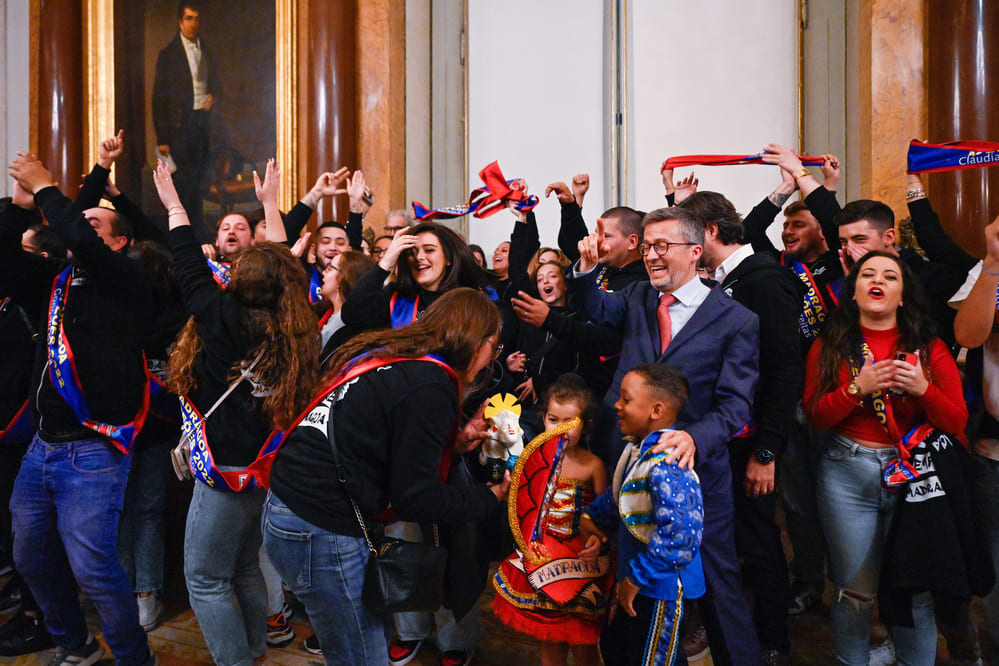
{"points": [[690, 227]]}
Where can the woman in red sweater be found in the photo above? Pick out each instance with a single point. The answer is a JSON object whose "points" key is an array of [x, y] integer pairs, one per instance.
{"points": [[859, 384]]}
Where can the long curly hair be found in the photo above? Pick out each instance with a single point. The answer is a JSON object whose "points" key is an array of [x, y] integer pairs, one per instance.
{"points": [[455, 327], [270, 284], [461, 270], [841, 335]]}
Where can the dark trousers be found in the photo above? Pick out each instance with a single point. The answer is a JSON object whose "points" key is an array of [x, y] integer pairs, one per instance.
{"points": [[724, 609], [758, 543], [627, 639]]}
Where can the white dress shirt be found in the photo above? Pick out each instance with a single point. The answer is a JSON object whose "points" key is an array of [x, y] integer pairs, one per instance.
{"points": [[199, 74]]}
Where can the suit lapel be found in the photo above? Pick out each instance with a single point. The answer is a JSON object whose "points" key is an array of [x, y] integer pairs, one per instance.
{"points": [[651, 306]]}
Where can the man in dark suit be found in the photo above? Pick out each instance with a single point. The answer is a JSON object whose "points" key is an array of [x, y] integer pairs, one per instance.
{"points": [[775, 295], [184, 90], [676, 319]]}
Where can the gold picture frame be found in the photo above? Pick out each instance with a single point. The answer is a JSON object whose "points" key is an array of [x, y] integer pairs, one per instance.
{"points": [[100, 89]]}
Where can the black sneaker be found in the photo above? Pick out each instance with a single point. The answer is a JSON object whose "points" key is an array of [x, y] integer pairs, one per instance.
{"points": [[312, 645], [85, 655], [24, 634]]}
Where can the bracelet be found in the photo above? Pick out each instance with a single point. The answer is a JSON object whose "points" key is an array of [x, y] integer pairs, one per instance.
{"points": [[992, 273], [801, 174], [912, 195], [850, 397]]}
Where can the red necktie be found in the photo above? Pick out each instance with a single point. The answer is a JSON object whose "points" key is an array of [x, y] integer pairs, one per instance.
{"points": [[665, 321]]}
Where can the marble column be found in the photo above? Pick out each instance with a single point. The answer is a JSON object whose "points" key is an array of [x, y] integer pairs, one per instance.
{"points": [[962, 63], [331, 106], [60, 90], [892, 99]]}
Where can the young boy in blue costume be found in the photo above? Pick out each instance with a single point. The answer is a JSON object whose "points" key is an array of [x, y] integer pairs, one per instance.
{"points": [[659, 513]]}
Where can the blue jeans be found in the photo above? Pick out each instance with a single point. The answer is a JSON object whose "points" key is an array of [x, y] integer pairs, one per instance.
{"points": [[224, 583], [461, 636], [326, 573], [66, 506], [856, 513], [140, 537]]}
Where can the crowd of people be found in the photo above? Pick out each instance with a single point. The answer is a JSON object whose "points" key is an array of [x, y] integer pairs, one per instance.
{"points": [[325, 383]]}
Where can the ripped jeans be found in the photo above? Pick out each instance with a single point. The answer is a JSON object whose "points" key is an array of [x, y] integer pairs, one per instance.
{"points": [[855, 512]]}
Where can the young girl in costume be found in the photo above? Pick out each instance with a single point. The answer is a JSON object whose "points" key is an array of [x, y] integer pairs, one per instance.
{"points": [[577, 624]]}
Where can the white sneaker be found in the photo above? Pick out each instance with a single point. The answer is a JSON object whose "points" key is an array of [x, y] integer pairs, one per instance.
{"points": [[150, 610], [882, 654]]}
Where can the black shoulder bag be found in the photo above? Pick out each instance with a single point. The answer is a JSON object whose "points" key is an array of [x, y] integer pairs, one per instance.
{"points": [[400, 575]]}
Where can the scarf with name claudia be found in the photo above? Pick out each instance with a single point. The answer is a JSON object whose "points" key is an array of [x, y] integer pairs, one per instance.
{"points": [[483, 201], [931, 157], [62, 372]]}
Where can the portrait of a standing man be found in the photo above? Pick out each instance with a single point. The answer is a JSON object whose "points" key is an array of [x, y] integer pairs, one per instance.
{"points": [[185, 89]]}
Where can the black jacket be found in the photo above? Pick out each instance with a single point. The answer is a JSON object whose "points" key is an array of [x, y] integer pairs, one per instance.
{"points": [[106, 310], [390, 452], [238, 428], [775, 295]]}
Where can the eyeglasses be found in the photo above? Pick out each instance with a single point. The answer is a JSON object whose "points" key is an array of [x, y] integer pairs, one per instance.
{"points": [[391, 231], [661, 247], [330, 267], [377, 252]]}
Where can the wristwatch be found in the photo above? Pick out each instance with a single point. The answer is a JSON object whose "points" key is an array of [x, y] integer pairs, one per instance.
{"points": [[764, 456], [801, 174], [854, 389]]}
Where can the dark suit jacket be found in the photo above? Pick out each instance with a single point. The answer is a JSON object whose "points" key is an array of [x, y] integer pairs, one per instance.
{"points": [[717, 350], [173, 90]]}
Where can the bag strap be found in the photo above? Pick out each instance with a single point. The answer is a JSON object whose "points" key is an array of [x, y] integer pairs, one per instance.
{"points": [[243, 374], [342, 478]]}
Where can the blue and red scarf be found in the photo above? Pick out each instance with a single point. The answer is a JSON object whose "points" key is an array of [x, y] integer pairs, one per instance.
{"points": [[483, 201], [315, 286], [20, 427], [260, 469], [202, 462], [729, 160], [62, 372], [931, 157], [815, 309], [221, 271]]}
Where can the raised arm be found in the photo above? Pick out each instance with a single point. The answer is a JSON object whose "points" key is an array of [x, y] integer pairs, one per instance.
{"points": [[572, 229], [524, 242], [930, 233], [267, 194], [360, 203], [755, 225], [117, 274], [327, 185], [24, 276], [976, 317], [200, 293]]}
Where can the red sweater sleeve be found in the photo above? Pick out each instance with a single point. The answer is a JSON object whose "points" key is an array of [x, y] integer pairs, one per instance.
{"points": [[942, 404], [826, 411], [943, 401]]}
